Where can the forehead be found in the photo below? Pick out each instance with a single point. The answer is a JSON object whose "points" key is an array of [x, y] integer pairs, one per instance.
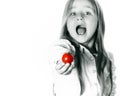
{"points": [[82, 4]]}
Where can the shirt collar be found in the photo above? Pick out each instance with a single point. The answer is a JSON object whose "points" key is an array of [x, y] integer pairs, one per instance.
{"points": [[86, 51]]}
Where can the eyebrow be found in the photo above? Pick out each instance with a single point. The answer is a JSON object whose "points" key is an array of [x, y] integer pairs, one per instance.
{"points": [[87, 7], [90, 8]]}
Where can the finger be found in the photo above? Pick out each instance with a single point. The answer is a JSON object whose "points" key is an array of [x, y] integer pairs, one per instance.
{"points": [[73, 64], [64, 68], [57, 62], [59, 65], [68, 70]]}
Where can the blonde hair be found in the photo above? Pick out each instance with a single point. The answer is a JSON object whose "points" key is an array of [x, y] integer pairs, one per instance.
{"points": [[102, 60]]}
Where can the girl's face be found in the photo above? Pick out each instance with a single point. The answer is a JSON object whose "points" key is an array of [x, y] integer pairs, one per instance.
{"points": [[82, 21]]}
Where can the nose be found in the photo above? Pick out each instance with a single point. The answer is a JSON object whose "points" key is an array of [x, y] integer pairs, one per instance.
{"points": [[80, 17]]}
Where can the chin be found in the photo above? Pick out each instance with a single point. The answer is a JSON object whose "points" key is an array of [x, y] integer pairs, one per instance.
{"points": [[81, 40]]}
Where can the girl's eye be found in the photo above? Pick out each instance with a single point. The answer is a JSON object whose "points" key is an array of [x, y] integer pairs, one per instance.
{"points": [[73, 14], [88, 13]]}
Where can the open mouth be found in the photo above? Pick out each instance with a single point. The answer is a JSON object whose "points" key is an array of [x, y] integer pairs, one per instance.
{"points": [[80, 30]]}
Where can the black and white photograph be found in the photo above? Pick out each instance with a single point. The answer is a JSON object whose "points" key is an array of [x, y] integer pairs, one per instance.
{"points": [[59, 48]]}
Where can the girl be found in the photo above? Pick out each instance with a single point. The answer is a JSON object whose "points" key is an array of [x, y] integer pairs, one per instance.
{"points": [[91, 72]]}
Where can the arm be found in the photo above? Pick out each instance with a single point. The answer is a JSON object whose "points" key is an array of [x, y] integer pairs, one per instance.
{"points": [[64, 85]]}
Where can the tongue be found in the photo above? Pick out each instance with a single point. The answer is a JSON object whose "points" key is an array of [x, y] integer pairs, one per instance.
{"points": [[81, 31]]}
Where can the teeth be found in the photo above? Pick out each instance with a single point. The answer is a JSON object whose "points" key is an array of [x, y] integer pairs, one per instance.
{"points": [[80, 30]]}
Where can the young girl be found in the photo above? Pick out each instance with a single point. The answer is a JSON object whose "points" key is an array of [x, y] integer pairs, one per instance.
{"points": [[91, 72]]}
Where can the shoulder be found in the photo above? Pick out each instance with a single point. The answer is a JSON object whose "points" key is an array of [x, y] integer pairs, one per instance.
{"points": [[110, 64], [110, 67], [110, 56]]}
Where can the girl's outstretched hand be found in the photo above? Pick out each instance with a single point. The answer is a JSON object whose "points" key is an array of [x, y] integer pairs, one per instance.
{"points": [[63, 68], [57, 50]]}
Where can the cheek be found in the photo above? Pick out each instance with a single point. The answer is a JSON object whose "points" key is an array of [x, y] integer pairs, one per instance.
{"points": [[92, 25], [70, 25]]}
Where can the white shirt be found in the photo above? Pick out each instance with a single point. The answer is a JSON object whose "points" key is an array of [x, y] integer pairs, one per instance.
{"points": [[69, 85], [92, 85]]}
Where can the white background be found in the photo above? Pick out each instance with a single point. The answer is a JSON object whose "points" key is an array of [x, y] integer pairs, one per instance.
{"points": [[27, 28]]}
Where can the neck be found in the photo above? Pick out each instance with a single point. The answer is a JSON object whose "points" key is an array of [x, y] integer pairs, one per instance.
{"points": [[90, 43]]}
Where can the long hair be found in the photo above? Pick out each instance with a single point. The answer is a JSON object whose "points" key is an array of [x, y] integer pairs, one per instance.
{"points": [[102, 59]]}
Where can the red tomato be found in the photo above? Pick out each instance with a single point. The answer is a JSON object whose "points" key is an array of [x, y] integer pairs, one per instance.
{"points": [[67, 58]]}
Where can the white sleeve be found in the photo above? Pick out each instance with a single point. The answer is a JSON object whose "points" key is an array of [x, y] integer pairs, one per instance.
{"points": [[64, 85], [58, 48], [65, 46]]}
